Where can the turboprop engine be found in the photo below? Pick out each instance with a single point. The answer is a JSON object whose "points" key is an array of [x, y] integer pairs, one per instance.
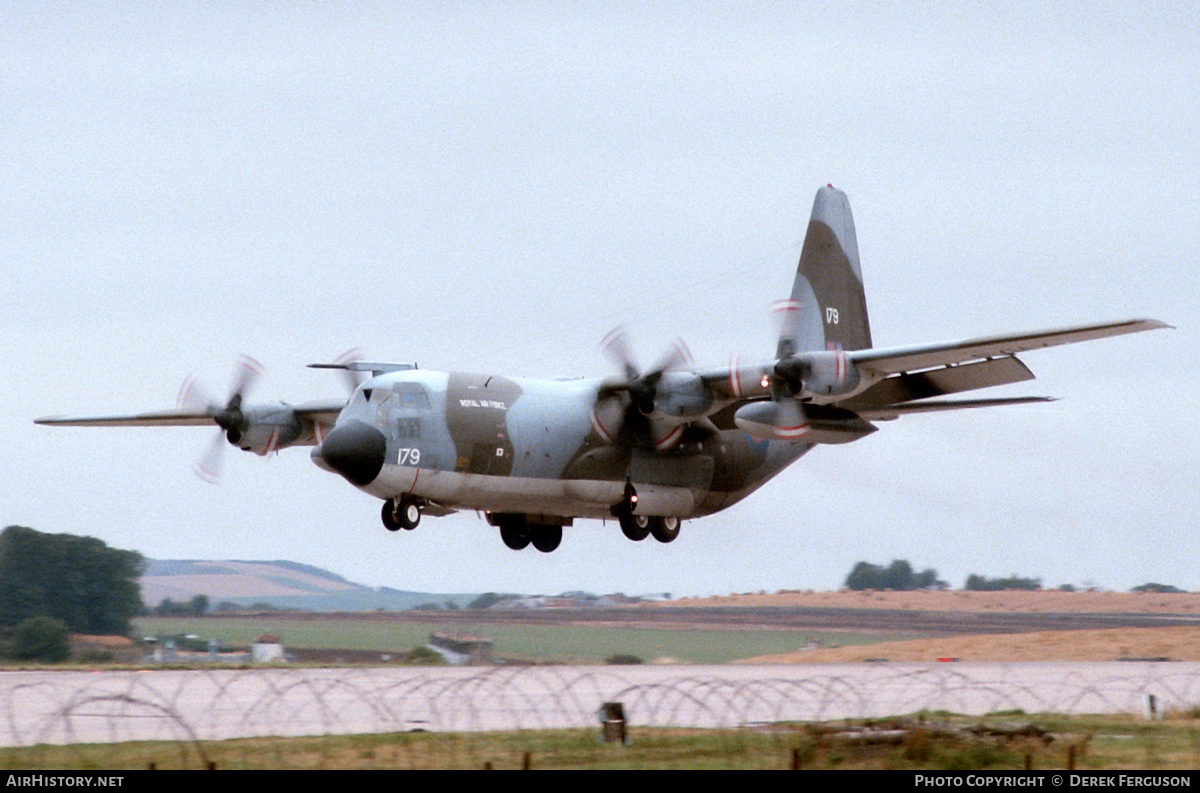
{"points": [[651, 408], [787, 418], [261, 428], [265, 428], [819, 373], [680, 395]]}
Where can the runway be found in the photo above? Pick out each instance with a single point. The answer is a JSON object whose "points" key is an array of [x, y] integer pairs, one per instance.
{"points": [[213, 704]]}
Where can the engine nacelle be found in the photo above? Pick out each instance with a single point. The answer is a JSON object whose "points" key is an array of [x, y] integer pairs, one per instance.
{"points": [[266, 429], [821, 373], [681, 395]]}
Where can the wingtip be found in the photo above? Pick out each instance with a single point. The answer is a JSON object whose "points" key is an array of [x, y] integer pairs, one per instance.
{"points": [[1149, 323]]}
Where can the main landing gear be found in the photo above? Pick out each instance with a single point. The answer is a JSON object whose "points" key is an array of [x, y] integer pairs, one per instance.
{"points": [[403, 513], [519, 533], [665, 529], [639, 527], [635, 527]]}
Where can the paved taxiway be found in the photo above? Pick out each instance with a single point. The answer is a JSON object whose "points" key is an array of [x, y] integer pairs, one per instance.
{"points": [[210, 704]]}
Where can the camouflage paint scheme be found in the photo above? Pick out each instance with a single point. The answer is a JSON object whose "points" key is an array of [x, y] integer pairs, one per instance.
{"points": [[528, 446], [646, 448]]}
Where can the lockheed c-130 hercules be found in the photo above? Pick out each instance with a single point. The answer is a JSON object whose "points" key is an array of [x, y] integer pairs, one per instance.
{"points": [[646, 448]]}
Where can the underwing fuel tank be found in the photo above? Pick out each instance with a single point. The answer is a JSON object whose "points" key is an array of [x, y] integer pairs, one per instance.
{"points": [[823, 424]]}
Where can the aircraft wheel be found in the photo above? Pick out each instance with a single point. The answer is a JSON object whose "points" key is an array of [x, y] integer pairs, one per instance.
{"points": [[665, 529], [409, 514], [514, 534], [546, 538], [389, 516], [635, 527]]}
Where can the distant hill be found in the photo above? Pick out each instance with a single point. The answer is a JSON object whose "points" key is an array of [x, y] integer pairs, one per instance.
{"points": [[279, 583]]}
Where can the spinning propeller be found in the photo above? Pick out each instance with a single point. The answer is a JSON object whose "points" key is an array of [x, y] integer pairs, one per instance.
{"points": [[633, 406], [789, 420], [795, 375], [352, 378], [230, 418], [264, 427], [783, 417]]}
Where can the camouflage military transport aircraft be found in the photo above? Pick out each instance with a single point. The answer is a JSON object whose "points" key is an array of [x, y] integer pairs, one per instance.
{"points": [[647, 449]]}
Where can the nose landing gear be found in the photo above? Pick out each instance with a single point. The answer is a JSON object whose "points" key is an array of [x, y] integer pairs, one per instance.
{"points": [[403, 513]]}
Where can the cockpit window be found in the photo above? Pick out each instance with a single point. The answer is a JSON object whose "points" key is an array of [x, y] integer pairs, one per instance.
{"points": [[411, 395]]}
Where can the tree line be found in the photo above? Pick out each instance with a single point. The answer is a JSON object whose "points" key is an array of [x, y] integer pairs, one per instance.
{"points": [[52, 584], [899, 576]]}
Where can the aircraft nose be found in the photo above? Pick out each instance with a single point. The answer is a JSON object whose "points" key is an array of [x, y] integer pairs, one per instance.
{"points": [[356, 451]]}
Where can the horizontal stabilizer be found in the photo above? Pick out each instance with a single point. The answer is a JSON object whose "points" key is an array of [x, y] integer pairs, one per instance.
{"points": [[365, 366]]}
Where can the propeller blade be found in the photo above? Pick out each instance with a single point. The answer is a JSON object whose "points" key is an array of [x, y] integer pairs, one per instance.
{"points": [[675, 358], [783, 419], [352, 379], [787, 316], [194, 399], [616, 346], [229, 418], [247, 375], [664, 435], [608, 417], [791, 422], [209, 466]]}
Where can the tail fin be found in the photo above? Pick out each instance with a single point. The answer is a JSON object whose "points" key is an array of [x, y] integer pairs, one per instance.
{"points": [[828, 307]]}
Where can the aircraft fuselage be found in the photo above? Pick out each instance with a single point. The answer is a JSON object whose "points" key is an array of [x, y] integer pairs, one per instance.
{"points": [[501, 445]]}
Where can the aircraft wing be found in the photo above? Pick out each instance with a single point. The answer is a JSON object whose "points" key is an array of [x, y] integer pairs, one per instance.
{"points": [[897, 360], [318, 411], [888, 412], [162, 418]]}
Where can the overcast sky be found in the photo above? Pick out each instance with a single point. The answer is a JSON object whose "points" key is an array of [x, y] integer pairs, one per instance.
{"points": [[493, 187]]}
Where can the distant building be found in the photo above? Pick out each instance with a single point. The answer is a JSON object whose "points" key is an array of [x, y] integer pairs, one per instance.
{"points": [[266, 648]]}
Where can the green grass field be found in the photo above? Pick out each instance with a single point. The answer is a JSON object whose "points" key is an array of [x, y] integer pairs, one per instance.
{"points": [[568, 643], [1084, 743]]}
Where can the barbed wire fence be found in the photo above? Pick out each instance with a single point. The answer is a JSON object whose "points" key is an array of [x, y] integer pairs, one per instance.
{"points": [[195, 706]]}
